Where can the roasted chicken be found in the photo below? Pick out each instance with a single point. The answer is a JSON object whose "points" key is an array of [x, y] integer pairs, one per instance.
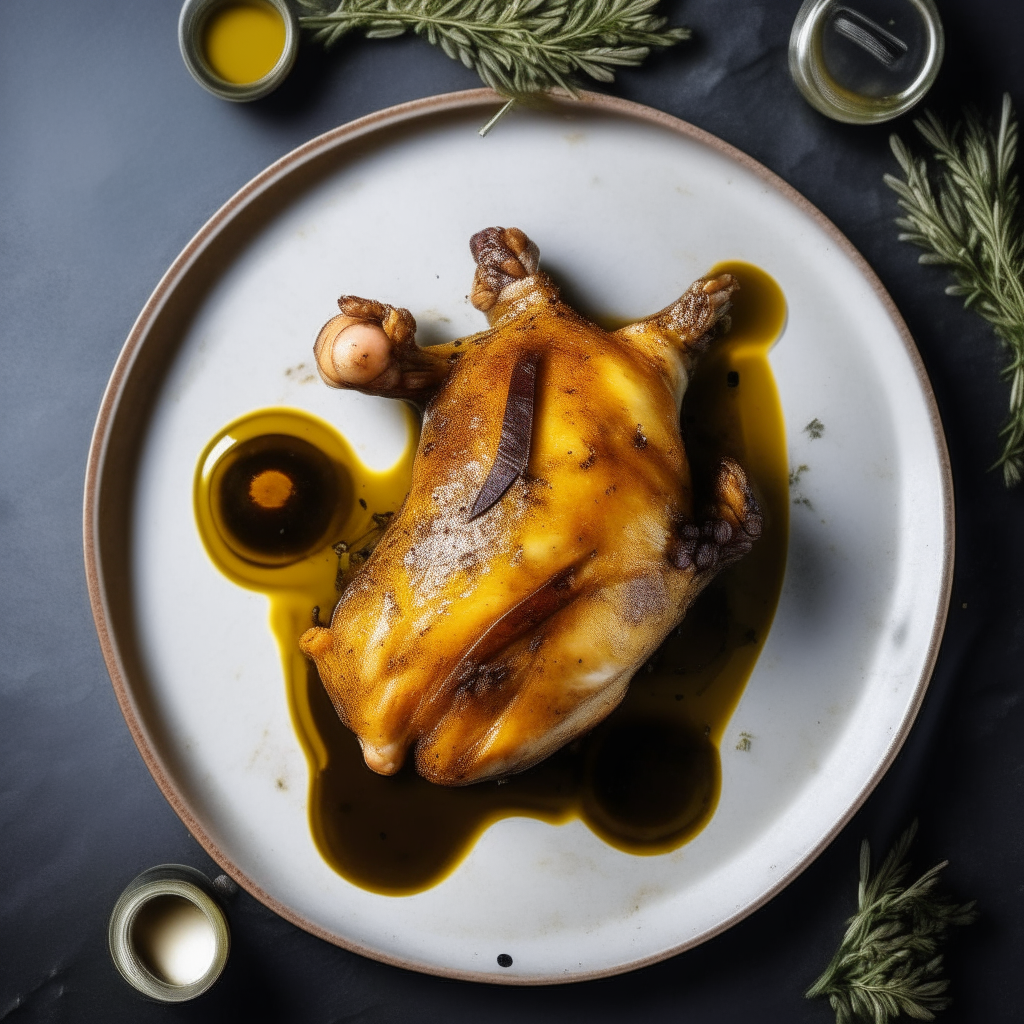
{"points": [[549, 541]]}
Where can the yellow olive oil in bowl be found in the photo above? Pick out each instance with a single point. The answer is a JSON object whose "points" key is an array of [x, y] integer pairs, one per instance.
{"points": [[239, 50]]}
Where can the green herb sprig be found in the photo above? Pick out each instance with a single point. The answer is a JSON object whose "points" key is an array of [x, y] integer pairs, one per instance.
{"points": [[971, 225], [517, 47], [889, 961]]}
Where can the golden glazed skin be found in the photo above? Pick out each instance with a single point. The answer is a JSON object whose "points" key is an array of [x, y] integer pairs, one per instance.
{"points": [[484, 642]]}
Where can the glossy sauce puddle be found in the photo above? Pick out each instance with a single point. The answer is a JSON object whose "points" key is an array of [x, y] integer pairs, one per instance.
{"points": [[648, 778]]}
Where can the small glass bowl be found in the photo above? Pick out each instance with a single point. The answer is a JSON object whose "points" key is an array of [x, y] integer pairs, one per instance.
{"points": [[191, 23], [176, 880], [865, 61]]}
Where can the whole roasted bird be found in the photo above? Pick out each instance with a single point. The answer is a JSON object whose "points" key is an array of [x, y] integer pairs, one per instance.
{"points": [[548, 543]]}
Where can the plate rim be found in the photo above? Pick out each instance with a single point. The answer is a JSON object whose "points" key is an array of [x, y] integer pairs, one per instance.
{"points": [[97, 467]]}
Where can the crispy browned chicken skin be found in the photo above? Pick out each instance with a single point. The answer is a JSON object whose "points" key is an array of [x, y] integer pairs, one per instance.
{"points": [[548, 543]]}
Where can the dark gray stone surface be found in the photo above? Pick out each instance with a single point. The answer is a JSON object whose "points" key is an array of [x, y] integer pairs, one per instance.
{"points": [[110, 159]]}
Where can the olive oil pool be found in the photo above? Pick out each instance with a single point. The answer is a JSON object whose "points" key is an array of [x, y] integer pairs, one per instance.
{"points": [[285, 507]]}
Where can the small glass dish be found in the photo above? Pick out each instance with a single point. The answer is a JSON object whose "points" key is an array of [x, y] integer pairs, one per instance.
{"points": [[168, 936], [866, 61], [194, 27]]}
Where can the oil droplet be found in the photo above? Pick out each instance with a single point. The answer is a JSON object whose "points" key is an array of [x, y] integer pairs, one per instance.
{"points": [[243, 40]]}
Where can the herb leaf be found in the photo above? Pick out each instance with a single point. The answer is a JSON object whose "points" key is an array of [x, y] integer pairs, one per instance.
{"points": [[889, 961], [513, 454], [517, 47], [970, 224]]}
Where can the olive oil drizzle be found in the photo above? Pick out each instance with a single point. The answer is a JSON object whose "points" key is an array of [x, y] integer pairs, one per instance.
{"points": [[648, 778], [300, 585]]}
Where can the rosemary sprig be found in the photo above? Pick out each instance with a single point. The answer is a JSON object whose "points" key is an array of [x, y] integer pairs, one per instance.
{"points": [[517, 47], [972, 226], [889, 961]]}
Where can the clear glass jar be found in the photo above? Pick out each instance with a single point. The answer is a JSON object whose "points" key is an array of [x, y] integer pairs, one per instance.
{"points": [[865, 63], [168, 935]]}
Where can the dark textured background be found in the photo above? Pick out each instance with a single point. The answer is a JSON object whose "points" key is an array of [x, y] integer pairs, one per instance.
{"points": [[110, 159]]}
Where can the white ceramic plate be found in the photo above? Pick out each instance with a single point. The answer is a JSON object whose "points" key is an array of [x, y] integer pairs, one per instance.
{"points": [[628, 206]]}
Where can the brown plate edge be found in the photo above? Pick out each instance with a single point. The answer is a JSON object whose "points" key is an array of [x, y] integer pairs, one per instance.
{"points": [[392, 116]]}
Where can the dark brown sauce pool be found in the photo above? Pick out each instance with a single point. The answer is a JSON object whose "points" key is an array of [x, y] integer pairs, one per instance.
{"points": [[277, 490]]}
